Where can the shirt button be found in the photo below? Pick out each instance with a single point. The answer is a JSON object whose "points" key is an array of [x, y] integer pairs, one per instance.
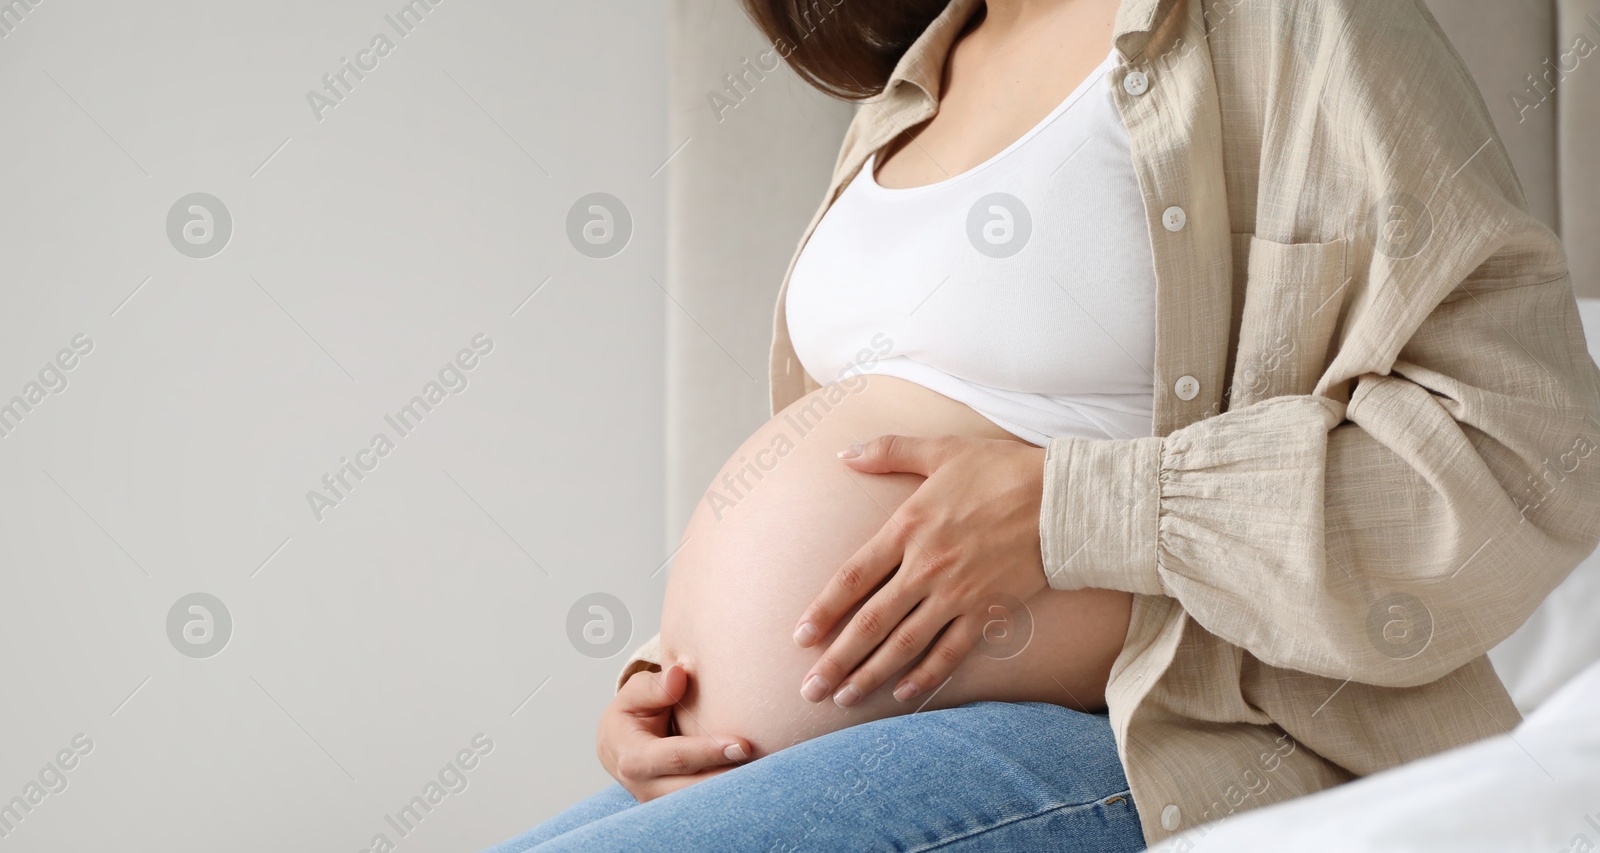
{"points": [[1174, 218], [1187, 388], [1171, 818], [1136, 83]]}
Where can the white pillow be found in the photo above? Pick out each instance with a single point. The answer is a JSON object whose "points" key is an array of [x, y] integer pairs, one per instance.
{"points": [[1563, 635]]}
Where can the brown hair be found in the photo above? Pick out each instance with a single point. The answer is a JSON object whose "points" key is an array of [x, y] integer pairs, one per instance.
{"points": [[846, 48]]}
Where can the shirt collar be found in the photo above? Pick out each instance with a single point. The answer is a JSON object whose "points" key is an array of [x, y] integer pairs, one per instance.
{"points": [[923, 63]]}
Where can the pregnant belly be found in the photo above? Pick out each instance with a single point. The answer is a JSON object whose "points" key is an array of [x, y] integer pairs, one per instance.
{"points": [[779, 519]]}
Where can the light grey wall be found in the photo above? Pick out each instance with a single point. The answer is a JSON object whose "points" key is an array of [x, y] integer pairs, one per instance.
{"points": [[368, 247], [758, 146]]}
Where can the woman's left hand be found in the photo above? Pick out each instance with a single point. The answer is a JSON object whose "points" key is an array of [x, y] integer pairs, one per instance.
{"points": [[965, 542]]}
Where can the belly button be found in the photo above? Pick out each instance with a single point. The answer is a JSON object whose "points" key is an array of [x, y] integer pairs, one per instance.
{"points": [[688, 663]]}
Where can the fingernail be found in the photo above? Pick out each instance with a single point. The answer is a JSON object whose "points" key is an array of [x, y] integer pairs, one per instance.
{"points": [[805, 633], [734, 752], [815, 688], [851, 453], [908, 690], [847, 697]]}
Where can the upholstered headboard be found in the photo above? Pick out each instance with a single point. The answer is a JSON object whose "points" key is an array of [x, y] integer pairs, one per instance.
{"points": [[757, 148]]}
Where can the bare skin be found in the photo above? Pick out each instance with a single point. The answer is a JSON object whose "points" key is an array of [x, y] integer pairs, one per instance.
{"points": [[780, 518], [747, 572], [1016, 62], [635, 743]]}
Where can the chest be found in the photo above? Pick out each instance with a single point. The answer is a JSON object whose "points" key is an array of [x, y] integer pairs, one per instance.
{"points": [[1167, 93], [998, 82], [1030, 272]]}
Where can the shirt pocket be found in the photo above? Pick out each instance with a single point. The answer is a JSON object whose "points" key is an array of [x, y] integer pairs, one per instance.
{"points": [[1293, 293]]}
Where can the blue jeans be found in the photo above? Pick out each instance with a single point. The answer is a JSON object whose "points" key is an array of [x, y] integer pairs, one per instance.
{"points": [[979, 777]]}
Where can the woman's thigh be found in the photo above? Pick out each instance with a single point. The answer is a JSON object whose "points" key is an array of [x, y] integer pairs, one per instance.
{"points": [[978, 777]]}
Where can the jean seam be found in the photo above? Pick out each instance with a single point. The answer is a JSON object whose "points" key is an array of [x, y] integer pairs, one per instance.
{"points": [[975, 833]]}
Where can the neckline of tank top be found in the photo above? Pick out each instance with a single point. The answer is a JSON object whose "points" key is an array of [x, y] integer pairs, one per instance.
{"points": [[868, 169]]}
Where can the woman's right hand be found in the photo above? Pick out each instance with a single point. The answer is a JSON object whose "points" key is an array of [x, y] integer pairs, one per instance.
{"points": [[635, 748]]}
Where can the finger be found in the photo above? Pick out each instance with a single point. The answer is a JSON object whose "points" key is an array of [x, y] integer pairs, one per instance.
{"points": [[854, 580], [646, 693], [905, 643], [646, 790], [882, 613], [900, 453], [947, 653], [680, 756]]}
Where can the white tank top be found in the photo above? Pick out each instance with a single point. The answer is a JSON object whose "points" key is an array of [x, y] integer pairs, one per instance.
{"points": [[1023, 287]]}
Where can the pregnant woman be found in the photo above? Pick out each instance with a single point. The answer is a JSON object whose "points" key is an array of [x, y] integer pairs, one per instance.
{"points": [[1165, 400]]}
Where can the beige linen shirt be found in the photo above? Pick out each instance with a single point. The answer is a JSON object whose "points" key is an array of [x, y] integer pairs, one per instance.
{"points": [[1375, 417]]}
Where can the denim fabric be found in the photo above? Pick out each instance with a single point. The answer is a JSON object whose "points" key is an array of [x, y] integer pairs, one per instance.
{"points": [[980, 777]]}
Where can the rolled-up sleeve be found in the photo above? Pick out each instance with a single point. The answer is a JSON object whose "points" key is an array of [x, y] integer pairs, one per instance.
{"points": [[1390, 549], [646, 657]]}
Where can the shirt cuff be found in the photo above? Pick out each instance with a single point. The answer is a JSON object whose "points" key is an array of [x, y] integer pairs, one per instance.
{"points": [[646, 657], [1100, 514]]}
